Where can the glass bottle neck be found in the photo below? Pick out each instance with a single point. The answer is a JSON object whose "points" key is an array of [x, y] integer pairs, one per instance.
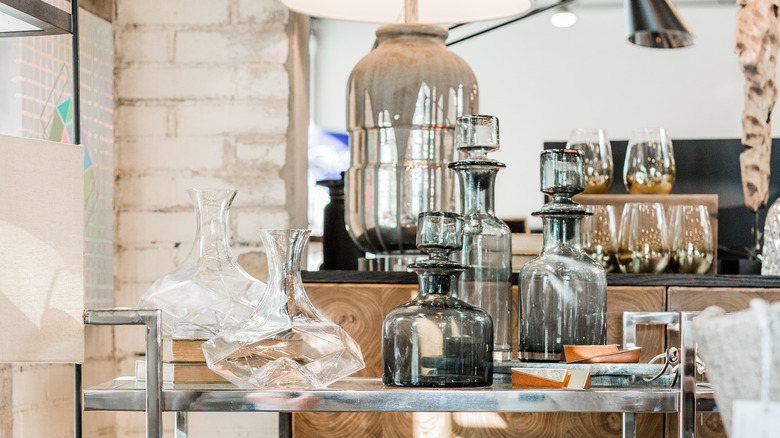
{"points": [[477, 186], [211, 238], [284, 249], [437, 282], [562, 232]]}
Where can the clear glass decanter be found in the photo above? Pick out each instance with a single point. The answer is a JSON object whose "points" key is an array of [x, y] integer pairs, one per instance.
{"points": [[437, 340], [285, 342], [770, 265], [563, 292], [487, 240], [209, 291]]}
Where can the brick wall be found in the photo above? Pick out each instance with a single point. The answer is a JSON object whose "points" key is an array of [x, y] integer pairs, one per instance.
{"points": [[209, 94]]}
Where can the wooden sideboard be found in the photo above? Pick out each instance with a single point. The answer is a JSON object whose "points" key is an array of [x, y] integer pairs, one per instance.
{"points": [[359, 302]]}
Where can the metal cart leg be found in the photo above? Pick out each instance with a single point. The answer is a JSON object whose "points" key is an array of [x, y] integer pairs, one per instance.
{"points": [[687, 405], [77, 400], [285, 425], [629, 425], [630, 321], [180, 425], [152, 320]]}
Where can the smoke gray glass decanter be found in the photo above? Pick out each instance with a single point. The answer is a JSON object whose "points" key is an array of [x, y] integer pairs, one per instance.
{"points": [[563, 292], [437, 340], [209, 291], [286, 342], [487, 240]]}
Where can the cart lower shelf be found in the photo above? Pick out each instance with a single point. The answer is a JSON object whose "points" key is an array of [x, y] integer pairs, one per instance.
{"points": [[370, 395]]}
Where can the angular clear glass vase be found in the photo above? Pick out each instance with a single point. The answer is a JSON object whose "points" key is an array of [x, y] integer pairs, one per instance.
{"points": [[285, 343], [209, 291]]}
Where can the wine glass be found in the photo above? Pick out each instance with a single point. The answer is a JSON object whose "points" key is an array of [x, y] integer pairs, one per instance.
{"points": [[649, 166], [597, 157], [599, 235], [691, 238], [643, 246]]}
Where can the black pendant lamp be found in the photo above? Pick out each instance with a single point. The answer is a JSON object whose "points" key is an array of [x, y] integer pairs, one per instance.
{"points": [[656, 24]]}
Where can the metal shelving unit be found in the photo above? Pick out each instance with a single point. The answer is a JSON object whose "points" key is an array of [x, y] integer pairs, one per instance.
{"points": [[369, 395], [43, 19]]}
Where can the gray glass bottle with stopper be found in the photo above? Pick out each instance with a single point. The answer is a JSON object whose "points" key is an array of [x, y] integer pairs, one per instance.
{"points": [[437, 340], [487, 240], [563, 292]]}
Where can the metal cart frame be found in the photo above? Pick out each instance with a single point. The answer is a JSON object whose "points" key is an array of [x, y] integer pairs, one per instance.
{"points": [[369, 395]]}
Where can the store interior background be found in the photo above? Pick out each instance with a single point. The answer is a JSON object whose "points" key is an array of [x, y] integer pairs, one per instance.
{"points": [[220, 93]]}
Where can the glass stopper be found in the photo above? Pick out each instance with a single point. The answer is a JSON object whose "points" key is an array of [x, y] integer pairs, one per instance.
{"points": [[476, 135], [561, 173], [439, 233]]}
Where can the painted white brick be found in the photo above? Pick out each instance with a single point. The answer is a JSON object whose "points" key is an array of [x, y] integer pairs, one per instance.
{"points": [[249, 222], [98, 342], [29, 386], [207, 119], [142, 45], [262, 12], [170, 154], [165, 190], [128, 294], [48, 420], [264, 157], [263, 82], [172, 12], [141, 121], [233, 424], [156, 81], [231, 46], [59, 383], [145, 265], [260, 192], [156, 227], [130, 425], [130, 342]]}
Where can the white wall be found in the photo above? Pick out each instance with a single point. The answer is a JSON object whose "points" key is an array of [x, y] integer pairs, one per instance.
{"points": [[542, 82]]}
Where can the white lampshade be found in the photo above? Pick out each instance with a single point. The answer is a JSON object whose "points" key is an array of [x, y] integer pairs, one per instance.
{"points": [[392, 11]]}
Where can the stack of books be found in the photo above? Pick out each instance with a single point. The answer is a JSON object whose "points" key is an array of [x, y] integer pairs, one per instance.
{"points": [[183, 362], [525, 246]]}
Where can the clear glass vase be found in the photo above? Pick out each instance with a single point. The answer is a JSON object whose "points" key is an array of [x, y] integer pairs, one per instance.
{"points": [[437, 340], [209, 291], [285, 342], [487, 240], [563, 292]]}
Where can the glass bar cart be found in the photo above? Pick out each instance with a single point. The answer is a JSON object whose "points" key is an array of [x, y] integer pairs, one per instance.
{"points": [[369, 395]]}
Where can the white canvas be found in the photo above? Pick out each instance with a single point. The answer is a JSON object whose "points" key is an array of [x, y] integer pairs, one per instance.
{"points": [[41, 251]]}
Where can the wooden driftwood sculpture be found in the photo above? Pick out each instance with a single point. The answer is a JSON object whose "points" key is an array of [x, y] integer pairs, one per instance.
{"points": [[757, 43]]}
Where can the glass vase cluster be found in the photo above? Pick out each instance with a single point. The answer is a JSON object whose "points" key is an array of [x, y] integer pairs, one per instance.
{"points": [[285, 342], [563, 292], [437, 340], [487, 240], [209, 291]]}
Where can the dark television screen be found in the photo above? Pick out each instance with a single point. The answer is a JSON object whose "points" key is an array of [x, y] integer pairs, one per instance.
{"points": [[710, 166]]}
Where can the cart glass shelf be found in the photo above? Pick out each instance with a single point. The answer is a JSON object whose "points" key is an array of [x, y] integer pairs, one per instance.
{"points": [[370, 395]]}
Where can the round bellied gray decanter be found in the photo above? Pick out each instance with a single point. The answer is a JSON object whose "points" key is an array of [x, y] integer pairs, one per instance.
{"points": [[437, 340], [563, 292]]}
